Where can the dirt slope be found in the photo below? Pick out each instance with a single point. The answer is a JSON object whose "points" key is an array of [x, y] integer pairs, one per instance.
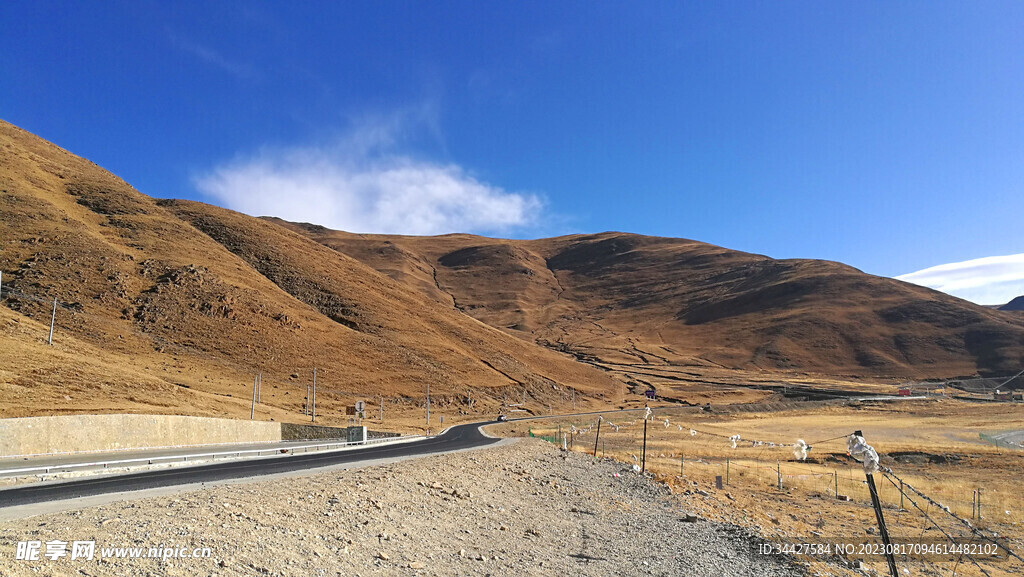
{"points": [[201, 298], [633, 300]]}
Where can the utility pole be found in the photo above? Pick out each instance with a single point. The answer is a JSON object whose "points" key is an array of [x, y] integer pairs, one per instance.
{"points": [[574, 400], [305, 402], [252, 412], [53, 317], [428, 402], [259, 387], [643, 466], [381, 408], [312, 403]]}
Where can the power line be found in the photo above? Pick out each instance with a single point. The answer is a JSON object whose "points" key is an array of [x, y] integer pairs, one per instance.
{"points": [[830, 440]]}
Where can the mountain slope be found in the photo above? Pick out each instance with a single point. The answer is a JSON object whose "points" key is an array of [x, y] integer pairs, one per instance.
{"points": [[202, 298], [630, 300], [1016, 304]]}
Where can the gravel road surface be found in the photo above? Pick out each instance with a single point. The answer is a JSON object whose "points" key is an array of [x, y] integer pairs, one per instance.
{"points": [[520, 508]]}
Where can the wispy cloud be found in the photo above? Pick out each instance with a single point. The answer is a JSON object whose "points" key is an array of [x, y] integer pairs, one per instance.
{"points": [[993, 280], [362, 183], [214, 58]]}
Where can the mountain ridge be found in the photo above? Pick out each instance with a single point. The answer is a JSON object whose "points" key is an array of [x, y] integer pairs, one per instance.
{"points": [[1017, 304], [192, 300], [761, 313]]}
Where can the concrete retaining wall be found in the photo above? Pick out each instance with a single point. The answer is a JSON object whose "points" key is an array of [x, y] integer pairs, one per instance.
{"points": [[83, 433]]}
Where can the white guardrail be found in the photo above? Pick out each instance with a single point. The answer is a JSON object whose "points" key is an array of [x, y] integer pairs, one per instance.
{"points": [[337, 446]]}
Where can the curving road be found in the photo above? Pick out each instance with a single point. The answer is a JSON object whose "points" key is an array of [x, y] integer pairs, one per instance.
{"points": [[457, 437]]}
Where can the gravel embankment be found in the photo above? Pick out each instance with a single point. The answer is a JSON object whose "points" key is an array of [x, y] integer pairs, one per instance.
{"points": [[520, 509]]}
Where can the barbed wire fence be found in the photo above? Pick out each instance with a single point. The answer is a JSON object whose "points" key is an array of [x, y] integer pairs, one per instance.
{"points": [[697, 456]]}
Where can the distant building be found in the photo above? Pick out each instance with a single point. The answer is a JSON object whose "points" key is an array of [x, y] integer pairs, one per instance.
{"points": [[903, 392], [650, 394]]}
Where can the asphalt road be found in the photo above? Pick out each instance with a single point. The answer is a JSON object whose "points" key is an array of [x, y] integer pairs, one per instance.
{"points": [[63, 460], [458, 437]]}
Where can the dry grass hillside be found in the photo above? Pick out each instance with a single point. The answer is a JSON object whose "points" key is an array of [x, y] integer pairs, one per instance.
{"points": [[172, 306], [680, 308]]}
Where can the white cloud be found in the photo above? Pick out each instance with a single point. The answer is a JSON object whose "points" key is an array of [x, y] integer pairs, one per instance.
{"points": [[993, 280], [359, 184]]}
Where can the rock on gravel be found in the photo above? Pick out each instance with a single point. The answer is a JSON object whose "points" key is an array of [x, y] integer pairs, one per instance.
{"points": [[518, 509]]}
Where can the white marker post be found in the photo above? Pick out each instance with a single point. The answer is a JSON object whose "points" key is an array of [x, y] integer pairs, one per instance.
{"points": [[312, 402], [252, 412], [53, 317]]}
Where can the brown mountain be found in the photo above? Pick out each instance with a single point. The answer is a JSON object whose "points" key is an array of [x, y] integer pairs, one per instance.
{"points": [[174, 305], [628, 301]]}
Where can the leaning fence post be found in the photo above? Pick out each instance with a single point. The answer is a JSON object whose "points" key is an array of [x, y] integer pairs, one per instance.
{"points": [[877, 505], [598, 436]]}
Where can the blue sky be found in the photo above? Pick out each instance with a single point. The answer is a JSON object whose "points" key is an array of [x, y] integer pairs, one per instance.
{"points": [[887, 135]]}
